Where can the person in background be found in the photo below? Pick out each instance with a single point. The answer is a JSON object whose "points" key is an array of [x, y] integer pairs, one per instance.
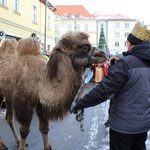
{"points": [[107, 51], [129, 80], [48, 53], [45, 55]]}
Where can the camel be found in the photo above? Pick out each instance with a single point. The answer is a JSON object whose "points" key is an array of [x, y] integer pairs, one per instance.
{"points": [[7, 48], [29, 82]]}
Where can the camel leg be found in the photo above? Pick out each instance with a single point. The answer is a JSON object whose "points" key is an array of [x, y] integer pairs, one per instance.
{"points": [[44, 129], [10, 121], [1, 100], [2, 145], [43, 125], [24, 131], [24, 116]]}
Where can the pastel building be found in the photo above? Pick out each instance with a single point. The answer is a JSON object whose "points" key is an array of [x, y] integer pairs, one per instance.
{"points": [[24, 18], [77, 18]]}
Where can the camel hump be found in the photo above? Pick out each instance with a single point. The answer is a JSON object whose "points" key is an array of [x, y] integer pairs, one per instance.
{"points": [[28, 46], [9, 45]]}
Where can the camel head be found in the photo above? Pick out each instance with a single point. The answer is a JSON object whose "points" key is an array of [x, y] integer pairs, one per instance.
{"points": [[77, 46], [74, 44], [74, 48]]}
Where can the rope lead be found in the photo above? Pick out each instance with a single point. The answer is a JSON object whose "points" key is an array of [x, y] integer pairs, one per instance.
{"points": [[80, 118]]}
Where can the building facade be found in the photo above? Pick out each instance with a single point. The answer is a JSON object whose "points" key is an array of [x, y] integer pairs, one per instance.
{"points": [[40, 19], [116, 30], [75, 18], [24, 18]]}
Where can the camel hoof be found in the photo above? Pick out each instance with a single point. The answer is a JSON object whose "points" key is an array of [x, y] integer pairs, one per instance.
{"points": [[3, 147], [48, 148]]}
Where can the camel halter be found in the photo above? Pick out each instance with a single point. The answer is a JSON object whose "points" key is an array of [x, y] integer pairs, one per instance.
{"points": [[88, 56], [80, 112], [79, 56]]}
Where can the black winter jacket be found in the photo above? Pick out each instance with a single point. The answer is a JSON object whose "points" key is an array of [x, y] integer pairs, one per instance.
{"points": [[129, 79]]}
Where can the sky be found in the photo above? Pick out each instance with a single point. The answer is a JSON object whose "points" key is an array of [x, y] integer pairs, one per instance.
{"points": [[139, 10]]}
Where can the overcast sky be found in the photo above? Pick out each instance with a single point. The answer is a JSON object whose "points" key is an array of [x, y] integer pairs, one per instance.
{"points": [[135, 9]]}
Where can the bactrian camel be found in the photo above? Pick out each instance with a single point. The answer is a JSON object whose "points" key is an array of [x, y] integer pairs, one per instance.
{"points": [[7, 48], [28, 81]]}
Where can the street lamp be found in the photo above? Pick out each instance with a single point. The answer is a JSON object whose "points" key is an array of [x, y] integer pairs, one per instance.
{"points": [[75, 24]]}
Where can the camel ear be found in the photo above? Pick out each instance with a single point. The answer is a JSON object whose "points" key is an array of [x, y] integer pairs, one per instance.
{"points": [[65, 42]]}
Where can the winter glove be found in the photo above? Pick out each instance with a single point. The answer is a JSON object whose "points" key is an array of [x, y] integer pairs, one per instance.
{"points": [[73, 108], [79, 114]]}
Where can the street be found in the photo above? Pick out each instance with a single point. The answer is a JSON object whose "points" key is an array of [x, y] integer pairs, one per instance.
{"points": [[66, 134]]}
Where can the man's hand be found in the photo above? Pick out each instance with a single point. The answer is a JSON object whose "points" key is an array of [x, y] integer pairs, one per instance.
{"points": [[73, 108]]}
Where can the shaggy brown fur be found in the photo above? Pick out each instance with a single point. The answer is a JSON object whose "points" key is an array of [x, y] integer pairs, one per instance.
{"points": [[7, 48], [49, 87]]}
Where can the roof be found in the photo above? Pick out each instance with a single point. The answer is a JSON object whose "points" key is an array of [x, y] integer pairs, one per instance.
{"points": [[113, 17], [103, 17], [72, 10], [120, 17]]}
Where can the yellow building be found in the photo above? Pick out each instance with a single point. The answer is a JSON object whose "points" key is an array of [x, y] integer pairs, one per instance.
{"points": [[24, 18]]}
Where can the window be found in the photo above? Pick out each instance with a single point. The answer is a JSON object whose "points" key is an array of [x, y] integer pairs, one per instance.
{"points": [[3, 2], [42, 46], [125, 44], [117, 34], [56, 39], [126, 25], [86, 27], [117, 44], [49, 22], [56, 28], [77, 15], [69, 27], [48, 47], [77, 27], [117, 25], [101, 25], [34, 14], [126, 34], [69, 15], [16, 6]]}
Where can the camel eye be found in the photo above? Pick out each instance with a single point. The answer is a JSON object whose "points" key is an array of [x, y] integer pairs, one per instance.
{"points": [[85, 48]]}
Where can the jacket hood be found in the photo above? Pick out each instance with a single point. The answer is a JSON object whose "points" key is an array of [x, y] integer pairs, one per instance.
{"points": [[141, 51]]}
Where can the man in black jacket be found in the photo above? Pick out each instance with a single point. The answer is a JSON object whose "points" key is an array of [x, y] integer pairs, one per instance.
{"points": [[129, 80]]}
